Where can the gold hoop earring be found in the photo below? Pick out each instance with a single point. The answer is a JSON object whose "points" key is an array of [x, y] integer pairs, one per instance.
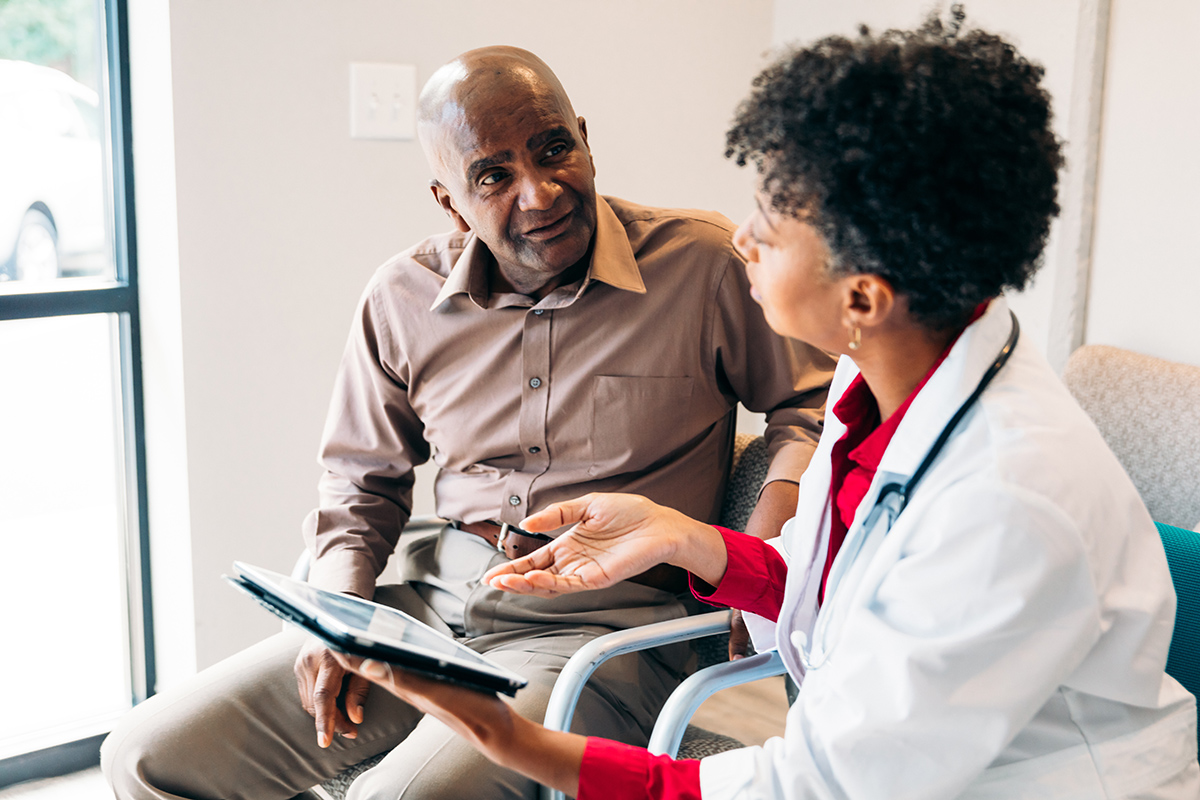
{"points": [[856, 342]]}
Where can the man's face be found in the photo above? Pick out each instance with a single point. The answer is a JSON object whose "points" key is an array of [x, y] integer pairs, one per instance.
{"points": [[515, 168]]}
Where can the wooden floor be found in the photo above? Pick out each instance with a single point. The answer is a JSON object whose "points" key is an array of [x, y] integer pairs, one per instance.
{"points": [[751, 714]]}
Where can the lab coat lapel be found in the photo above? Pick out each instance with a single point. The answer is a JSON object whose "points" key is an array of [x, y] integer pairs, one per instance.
{"points": [[947, 389], [806, 538]]}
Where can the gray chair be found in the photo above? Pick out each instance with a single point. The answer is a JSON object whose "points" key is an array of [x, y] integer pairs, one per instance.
{"points": [[672, 734], [710, 633], [1148, 411]]}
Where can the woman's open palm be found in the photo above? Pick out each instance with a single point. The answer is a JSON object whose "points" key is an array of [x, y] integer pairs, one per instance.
{"points": [[616, 536]]}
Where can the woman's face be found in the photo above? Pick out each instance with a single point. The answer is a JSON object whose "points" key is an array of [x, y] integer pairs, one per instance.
{"points": [[786, 261]]}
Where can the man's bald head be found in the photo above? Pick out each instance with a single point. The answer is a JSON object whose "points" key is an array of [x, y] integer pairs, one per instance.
{"points": [[474, 79]]}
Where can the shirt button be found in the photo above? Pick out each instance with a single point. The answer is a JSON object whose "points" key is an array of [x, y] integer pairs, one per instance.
{"points": [[535, 382], [514, 501], [535, 449], [539, 311]]}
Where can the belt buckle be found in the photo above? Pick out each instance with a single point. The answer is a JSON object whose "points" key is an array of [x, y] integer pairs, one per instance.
{"points": [[504, 526]]}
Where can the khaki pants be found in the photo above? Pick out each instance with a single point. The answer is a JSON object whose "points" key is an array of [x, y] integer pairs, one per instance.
{"points": [[237, 729]]}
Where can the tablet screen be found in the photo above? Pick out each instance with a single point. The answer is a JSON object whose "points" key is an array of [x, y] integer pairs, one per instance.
{"points": [[370, 623]]}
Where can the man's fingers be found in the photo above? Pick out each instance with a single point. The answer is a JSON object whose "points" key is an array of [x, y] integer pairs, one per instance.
{"points": [[356, 697], [739, 637], [324, 699]]}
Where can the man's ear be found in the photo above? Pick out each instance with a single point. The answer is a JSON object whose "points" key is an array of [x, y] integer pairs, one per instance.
{"points": [[583, 133], [444, 200]]}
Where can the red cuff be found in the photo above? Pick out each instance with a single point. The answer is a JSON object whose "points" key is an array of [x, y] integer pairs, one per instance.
{"points": [[754, 578], [615, 771]]}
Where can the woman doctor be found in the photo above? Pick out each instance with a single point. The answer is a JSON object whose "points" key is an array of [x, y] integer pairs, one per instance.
{"points": [[972, 597]]}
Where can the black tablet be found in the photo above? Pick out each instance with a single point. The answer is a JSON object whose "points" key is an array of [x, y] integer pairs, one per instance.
{"points": [[371, 630]]}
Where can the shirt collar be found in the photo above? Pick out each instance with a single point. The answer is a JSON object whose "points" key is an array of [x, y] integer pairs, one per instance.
{"points": [[612, 262], [950, 384], [857, 409]]}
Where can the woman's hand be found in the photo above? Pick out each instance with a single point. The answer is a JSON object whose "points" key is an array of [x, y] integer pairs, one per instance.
{"points": [[483, 720], [488, 723], [616, 536]]}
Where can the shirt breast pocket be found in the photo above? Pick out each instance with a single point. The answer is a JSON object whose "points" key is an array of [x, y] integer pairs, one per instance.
{"points": [[637, 421]]}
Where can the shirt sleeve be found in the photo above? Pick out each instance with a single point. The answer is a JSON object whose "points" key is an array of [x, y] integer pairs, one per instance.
{"points": [[614, 770], [372, 441], [754, 579], [783, 378]]}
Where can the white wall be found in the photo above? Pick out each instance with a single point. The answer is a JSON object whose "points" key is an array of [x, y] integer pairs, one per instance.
{"points": [[1042, 31], [1146, 267], [281, 218], [1143, 262], [260, 220]]}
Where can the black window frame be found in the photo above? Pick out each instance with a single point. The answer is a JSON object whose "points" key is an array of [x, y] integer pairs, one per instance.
{"points": [[120, 299]]}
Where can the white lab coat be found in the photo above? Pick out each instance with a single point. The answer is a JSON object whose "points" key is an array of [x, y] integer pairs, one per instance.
{"points": [[1005, 639]]}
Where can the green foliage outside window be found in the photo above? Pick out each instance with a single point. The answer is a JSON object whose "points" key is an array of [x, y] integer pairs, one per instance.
{"points": [[54, 33]]}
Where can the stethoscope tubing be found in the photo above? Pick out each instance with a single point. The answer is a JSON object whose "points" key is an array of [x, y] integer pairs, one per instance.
{"points": [[904, 492]]}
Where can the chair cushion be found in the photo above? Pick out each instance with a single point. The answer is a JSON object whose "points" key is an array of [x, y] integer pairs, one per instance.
{"points": [[1148, 411], [747, 473], [1183, 557], [699, 743], [339, 784]]}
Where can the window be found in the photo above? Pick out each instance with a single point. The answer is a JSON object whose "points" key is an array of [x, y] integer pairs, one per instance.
{"points": [[73, 580]]}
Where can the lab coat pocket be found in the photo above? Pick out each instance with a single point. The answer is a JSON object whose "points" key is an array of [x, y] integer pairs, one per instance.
{"points": [[637, 421]]}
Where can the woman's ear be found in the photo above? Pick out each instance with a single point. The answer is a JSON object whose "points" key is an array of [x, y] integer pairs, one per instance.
{"points": [[444, 200], [870, 301]]}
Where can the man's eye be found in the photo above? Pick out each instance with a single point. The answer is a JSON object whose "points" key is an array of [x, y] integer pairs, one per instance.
{"points": [[491, 178], [556, 149]]}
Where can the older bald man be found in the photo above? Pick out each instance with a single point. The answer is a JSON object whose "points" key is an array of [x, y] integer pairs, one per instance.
{"points": [[556, 343]]}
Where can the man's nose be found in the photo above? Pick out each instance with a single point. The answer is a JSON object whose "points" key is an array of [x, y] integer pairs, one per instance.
{"points": [[539, 193]]}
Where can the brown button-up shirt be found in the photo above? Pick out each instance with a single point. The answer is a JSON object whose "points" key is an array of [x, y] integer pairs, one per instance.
{"points": [[626, 380]]}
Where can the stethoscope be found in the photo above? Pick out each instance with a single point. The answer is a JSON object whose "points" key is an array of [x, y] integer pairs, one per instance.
{"points": [[892, 499]]}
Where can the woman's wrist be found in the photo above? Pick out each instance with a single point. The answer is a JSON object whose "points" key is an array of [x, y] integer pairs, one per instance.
{"points": [[700, 549], [552, 758]]}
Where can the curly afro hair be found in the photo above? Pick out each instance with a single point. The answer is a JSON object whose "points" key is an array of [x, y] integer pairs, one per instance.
{"points": [[925, 157]]}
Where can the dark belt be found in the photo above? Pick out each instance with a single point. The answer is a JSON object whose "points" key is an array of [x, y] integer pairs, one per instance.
{"points": [[508, 539], [516, 543]]}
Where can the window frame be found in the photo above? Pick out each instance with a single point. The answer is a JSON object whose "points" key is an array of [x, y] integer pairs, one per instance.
{"points": [[121, 299]]}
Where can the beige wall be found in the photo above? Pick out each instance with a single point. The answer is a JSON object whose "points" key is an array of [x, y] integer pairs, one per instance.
{"points": [[1146, 268], [1042, 31], [260, 220], [281, 218], [1142, 198]]}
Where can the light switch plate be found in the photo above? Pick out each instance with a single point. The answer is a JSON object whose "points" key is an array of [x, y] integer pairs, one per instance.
{"points": [[383, 101]]}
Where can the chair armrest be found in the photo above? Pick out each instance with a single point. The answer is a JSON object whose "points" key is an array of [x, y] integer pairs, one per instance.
{"points": [[587, 659], [422, 523], [687, 697]]}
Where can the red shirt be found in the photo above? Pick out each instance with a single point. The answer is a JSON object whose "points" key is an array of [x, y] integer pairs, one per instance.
{"points": [[754, 581]]}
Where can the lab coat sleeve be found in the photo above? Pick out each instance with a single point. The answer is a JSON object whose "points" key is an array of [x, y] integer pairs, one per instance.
{"points": [[941, 659]]}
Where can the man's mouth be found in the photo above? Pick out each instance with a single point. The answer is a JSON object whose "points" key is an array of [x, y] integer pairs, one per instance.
{"points": [[553, 229]]}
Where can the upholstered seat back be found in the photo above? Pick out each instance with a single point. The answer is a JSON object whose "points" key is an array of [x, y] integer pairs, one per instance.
{"points": [[1148, 411]]}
